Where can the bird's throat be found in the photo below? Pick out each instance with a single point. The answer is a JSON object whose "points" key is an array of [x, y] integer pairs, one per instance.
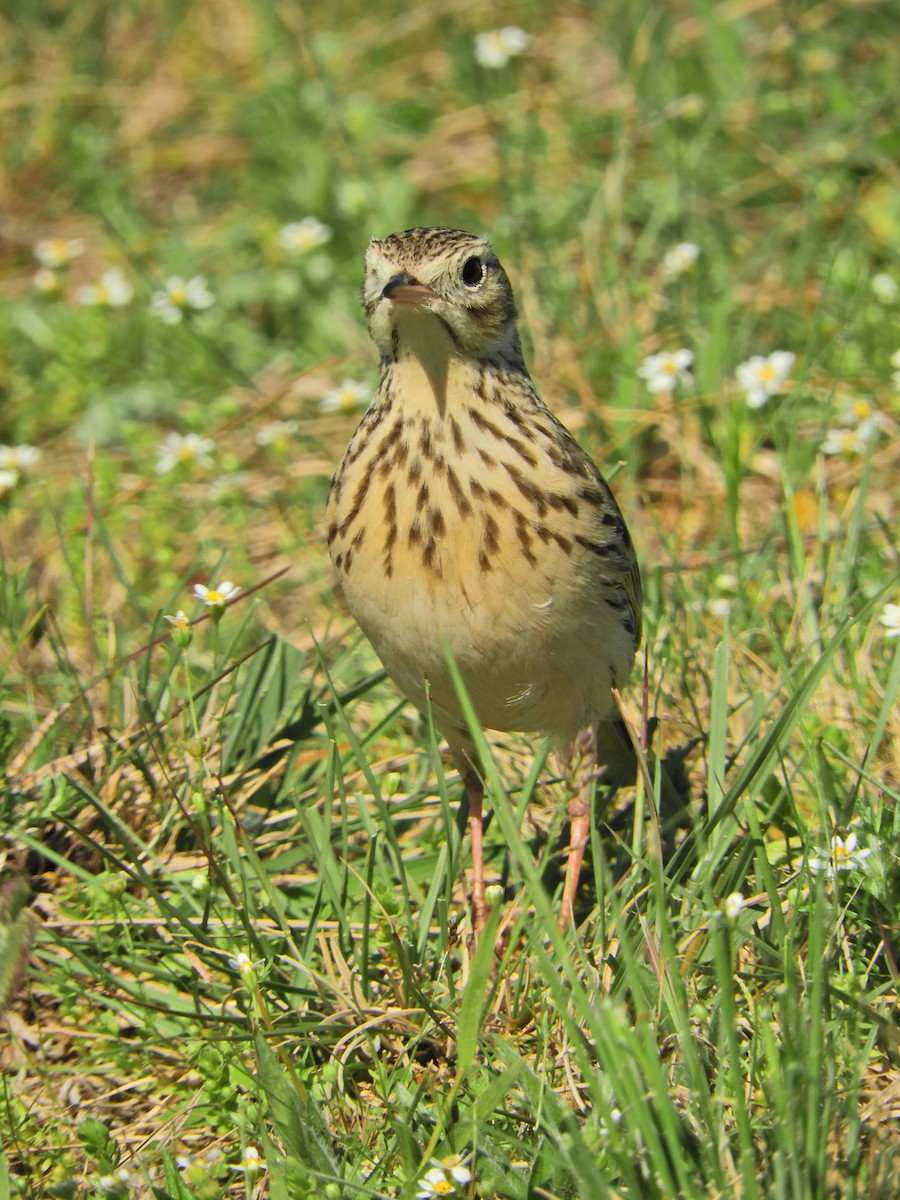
{"points": [[428, 369]]}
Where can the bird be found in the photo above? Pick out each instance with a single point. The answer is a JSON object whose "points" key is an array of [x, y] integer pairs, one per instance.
{"points": [[464, 518]]}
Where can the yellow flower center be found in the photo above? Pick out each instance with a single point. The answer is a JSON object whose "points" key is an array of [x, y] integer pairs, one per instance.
{"points": [[214, 597], [178, 295], [767, 372]]}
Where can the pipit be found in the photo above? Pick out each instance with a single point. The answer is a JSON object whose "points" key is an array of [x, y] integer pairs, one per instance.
{"points": [[464, 517]]}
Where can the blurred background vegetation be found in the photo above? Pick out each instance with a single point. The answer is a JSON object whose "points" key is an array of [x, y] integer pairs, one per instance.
{"points": [[182, 139], [178, 139]]}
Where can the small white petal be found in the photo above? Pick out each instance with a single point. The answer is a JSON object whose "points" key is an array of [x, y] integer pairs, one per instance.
{"points": [[890, 619], [885, 288], [733, 905], [8, 480], [782, 361]]}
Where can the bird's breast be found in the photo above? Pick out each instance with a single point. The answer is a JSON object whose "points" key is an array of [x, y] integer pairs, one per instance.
{"points": [[470, 533]]}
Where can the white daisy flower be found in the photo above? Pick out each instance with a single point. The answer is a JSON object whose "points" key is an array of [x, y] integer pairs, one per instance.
{"points": [[839, 441], [216, 597], [180, 297], [299, 237], [842, 855], [18, 458], [849, 439], [275, 431], [188, 448], [435, 1184], [859, 410], [346, 397], [198, 1169], [761, 377], [246, 968], [680, 259], [732, 905], [494, 50], [663, 372], [181, 629], [55, 253], [445, 1177], [251, 1163], [114, 290], [456, 1167]]}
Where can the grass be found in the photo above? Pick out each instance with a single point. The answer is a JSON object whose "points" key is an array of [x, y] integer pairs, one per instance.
{"points": [[232, 903]]}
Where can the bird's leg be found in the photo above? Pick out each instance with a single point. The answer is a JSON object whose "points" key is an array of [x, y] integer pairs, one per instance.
{"points": [[581, 769], [475, 794]]}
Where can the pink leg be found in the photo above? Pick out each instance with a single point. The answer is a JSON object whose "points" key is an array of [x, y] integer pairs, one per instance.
{"points": [[581, 770], [475, 793]]}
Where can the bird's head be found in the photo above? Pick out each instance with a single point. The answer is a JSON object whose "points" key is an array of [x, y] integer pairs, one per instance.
{"points": [[438, 282]]}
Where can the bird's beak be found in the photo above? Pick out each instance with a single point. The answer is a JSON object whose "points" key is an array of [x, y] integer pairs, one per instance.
{"points": [[403, 289]]}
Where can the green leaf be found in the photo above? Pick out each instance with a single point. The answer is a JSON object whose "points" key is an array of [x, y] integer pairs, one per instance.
{"points": [[5, 1189], [492, 1097], [266, 700], [176, 1188], [473, 1001], [295, 1116]]}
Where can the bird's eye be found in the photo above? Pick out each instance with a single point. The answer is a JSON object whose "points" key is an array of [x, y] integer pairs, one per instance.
{"points": [[472, 272]]}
